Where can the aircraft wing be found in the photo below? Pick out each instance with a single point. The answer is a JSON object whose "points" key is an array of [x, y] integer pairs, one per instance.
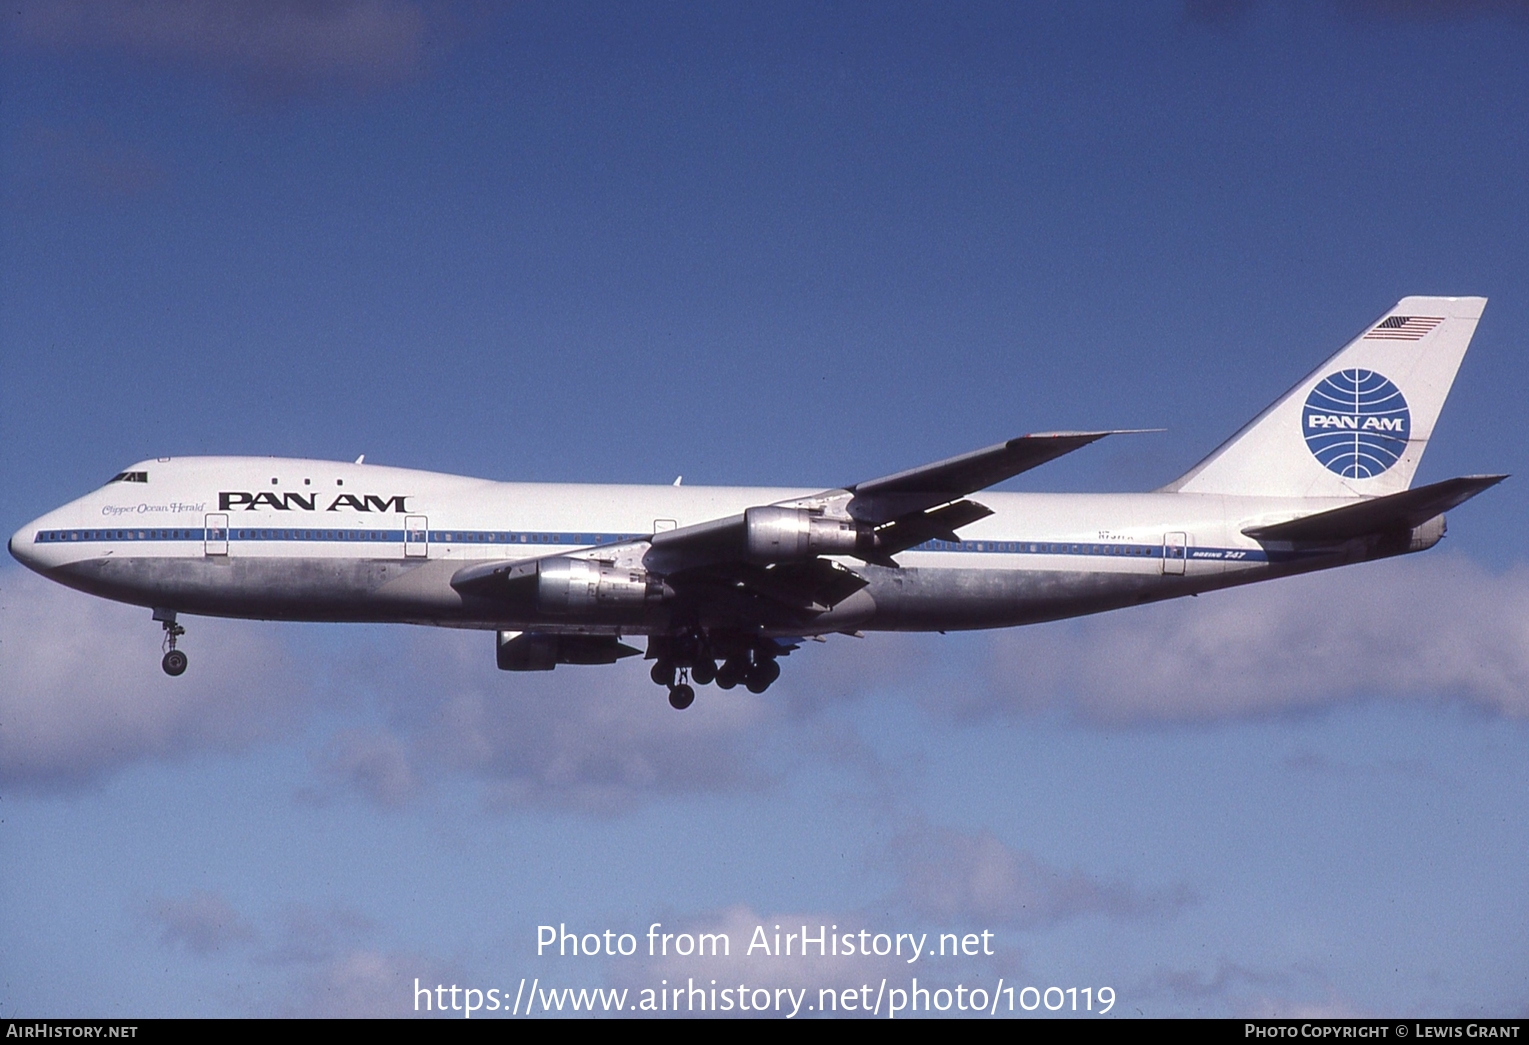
{"points": [[780, 554], [892, 496], [796, 588], [1397, 511], [871, 521]]}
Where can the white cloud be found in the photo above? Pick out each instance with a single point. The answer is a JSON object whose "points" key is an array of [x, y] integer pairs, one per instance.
{"points": [[363, 982], [82, 694], [973, 878], [805, 980], [591, 738], [1433, 629], [371, 762], [333, 967], [312, 935], [324, 966], [948, 886], [202, 922]]}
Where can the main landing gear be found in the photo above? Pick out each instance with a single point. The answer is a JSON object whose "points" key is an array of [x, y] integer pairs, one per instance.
{"points": [[681, 660], [174, 661], [681, 693]]}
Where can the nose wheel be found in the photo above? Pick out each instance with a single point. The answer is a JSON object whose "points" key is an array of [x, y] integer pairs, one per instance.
{"points": [[174, 661]]}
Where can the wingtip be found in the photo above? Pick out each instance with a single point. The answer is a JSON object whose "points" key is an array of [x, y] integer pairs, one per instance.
{"points": [[1087, 435]]}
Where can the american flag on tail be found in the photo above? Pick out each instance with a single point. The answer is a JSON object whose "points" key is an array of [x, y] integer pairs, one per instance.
{"points": [[1403, 328]]}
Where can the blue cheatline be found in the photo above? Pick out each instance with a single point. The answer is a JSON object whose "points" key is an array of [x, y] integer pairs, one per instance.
{"points": [[583, 539]]}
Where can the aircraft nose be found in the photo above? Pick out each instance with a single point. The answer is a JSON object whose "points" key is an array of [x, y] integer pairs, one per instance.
{"points": [[21, 546]]}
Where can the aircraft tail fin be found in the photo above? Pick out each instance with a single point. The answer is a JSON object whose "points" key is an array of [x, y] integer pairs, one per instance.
{"points": [[1356, 426]]}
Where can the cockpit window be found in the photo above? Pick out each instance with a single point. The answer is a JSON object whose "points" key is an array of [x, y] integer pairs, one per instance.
{"points": [[129, 477]]}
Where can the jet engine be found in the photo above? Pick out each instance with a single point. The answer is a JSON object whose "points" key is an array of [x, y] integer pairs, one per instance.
{"points": [[564, 587], [534, 651], [773, 534], [576, 587]]}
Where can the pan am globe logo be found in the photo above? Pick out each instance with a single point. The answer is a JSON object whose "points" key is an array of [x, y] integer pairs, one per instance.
{"points": [[1356, 423]]}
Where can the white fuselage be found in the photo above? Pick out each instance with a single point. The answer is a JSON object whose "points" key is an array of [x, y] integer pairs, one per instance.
{"points": [[317, 540]]}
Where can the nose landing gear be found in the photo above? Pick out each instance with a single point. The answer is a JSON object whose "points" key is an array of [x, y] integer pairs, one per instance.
{"points": [[174, 661]]}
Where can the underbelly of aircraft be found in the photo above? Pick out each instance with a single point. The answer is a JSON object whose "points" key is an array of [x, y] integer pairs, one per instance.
{"points": [[389, 590]]}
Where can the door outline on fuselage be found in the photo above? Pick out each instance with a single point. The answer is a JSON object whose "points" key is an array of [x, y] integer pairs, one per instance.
{"points": [[1175, 553], [215, 535], [416, 537]]}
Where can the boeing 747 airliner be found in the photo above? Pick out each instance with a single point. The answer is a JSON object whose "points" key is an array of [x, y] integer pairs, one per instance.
{"points": [[724, 581]]}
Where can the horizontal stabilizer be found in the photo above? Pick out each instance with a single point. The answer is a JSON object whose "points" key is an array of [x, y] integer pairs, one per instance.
{"points": [[1396, 511]]}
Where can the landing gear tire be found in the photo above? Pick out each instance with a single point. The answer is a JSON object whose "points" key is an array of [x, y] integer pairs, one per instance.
{"points": [[731, 673], [704, 670], [681, 697], [174, 663], [663, 673], [765, 672]]}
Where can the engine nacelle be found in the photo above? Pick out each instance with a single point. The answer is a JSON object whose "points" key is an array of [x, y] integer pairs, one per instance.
{"points": [[535, 651], [572, 590], [774, 534], [1427, 535], [574, 587], [1400, 542]]}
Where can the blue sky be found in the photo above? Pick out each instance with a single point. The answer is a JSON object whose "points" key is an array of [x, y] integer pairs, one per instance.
{"points": [[798, 244]]}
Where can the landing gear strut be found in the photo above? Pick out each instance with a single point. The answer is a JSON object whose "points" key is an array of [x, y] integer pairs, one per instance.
{"points": [[681, 693], [692, 658], [174, 661]]}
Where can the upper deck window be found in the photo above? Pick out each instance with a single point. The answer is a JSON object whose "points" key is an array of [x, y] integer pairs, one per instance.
{"points": [[129, 477]]}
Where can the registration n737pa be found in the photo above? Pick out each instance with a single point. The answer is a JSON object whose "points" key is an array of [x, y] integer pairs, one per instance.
{"points": [[722, 582]]}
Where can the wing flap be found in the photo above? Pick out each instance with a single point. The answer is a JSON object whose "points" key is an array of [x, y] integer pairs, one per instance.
{"points": [[935, 524], [815, 586], [1379, 514]]}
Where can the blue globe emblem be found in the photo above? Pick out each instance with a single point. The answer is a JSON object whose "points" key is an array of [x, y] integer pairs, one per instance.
{"points": [[1356, 423]]}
